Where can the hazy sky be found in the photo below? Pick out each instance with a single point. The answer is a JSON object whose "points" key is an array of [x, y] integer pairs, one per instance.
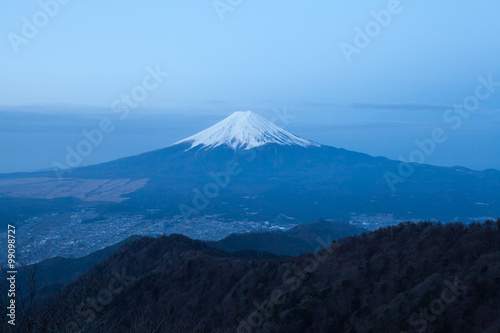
{"points": [[396, 86]]}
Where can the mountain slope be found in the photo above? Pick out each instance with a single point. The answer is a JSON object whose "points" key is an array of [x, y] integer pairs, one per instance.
{"points": [[245, 130], [54, 273], [376, 282], [296, 241], [245, 168]]}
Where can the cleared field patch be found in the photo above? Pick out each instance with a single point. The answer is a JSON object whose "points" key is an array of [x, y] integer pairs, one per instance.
{"points": [[112, 190]]}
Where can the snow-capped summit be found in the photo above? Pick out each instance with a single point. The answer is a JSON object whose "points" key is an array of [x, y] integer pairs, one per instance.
{"points": [[245, 130]]}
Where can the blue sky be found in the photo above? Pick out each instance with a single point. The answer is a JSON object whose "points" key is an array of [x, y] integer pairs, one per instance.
{"points": [[263, 55]]}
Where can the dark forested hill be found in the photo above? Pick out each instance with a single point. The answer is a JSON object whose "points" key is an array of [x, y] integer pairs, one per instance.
{"points": [[298, 240], [411, 277], [54, 273]]}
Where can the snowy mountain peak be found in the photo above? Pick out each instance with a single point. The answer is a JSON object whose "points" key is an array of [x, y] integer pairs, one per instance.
{"points": [[245, 130]]}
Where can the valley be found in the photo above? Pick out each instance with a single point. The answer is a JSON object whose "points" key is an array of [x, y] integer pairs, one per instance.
{"points": [[74, 234]]}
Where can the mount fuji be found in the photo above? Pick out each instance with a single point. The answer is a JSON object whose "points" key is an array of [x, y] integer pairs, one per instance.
{"points": [[245, 130], [246, 167]]}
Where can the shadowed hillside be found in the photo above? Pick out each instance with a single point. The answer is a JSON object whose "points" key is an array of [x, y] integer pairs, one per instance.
{"points": [[412, 277], [298, 240]]}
